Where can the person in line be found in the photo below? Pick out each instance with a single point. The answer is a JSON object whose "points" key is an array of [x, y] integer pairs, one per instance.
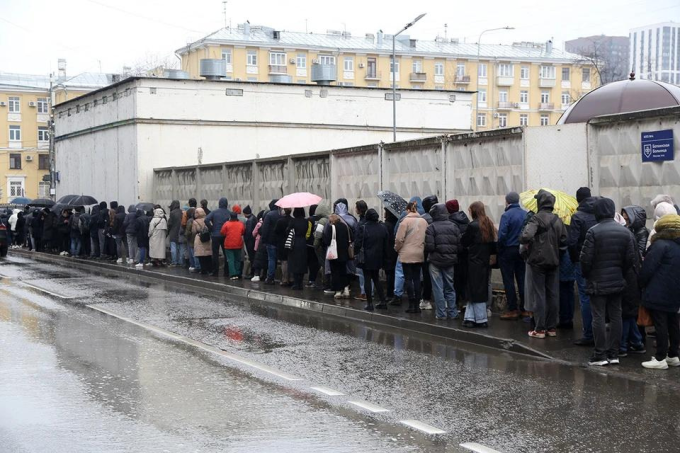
{"points": [[190, 236], [660, 210], [232, 231], [118, 233], [567, 294], [260, 262], [425, 293], [360, 208], [202, 242], [391, 254], [215, 221], [102, 227], [142, 233], [249, 240], [426, 303], [204, 206], [321, 213], [12, 231], [299, 231], [660, 280], [663, 198], [174, 225], [479, 239], [91, 222], [50, 234], [511, 263], [37, 230], [74, 232], [281, 231], [64, 232], [581, 221], [337, 230], [460, 270], [546, 239], [269, 239], [313, 263], [442, 241], [131, 238], [158, 233], [370, 251], [608, 254], [341, 209], [409, 243]]}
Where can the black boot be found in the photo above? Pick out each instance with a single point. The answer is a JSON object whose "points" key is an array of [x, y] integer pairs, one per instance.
{"points": [[369, 306], [395, 301], [412, 305], [382, 305]]}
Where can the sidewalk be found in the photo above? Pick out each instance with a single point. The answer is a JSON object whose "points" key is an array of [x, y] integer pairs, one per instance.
{"points": [[510, 336]]}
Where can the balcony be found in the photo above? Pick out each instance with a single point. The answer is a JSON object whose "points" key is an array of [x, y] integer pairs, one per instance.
{"points": [[420, 77], [373, 75], [504, 105], [546, 83], [543, 106], [503, 81], [462, 79], [278, 69]]}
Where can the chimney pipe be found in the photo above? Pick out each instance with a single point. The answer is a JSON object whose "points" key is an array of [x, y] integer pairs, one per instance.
{"points": [[61, 66]]}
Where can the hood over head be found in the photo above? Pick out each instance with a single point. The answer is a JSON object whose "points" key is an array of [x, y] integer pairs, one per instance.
{"points": [[661, 198], [583, 193], [139, 213], [158, 212], [174, 205], [272, 204], [261, 214], [299, 213], [429, 201], [439, 212], [341, 200], [114, 205], [604, 209], [372, 215], [618, 218], [340, 208], [322, 210], [545, 200], [637, 216], [199, 214], [419, 204], [95, 210], [102, 205], [131, 209], [224, 203], [120, 210], [663, 209]]}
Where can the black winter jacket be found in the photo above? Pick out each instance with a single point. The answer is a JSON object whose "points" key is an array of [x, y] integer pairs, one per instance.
{"points": [[545, 234], [637, 216], [582, 220], [608, 253], [142, 229], [373, 238], [129, 222], [392, 255], [660, 276], [174, 221], [269, 224], [461, 220], [118, 221], [442, 238], [343, 236]]}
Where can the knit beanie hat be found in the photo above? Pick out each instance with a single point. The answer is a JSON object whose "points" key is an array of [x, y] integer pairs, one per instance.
{"points": [[512, 198], [452, 206], [247, 210], [236, 209], [582, 194], [664, 209]]}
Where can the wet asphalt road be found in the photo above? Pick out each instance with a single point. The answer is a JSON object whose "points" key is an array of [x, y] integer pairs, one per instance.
{"points": [[75, 379]]}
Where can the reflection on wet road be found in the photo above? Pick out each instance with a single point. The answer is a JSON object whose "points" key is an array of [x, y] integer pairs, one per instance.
{"points": [[79, 380]]}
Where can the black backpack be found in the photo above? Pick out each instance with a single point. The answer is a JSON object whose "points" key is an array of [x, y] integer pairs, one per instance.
{"points": [[204, 235]]}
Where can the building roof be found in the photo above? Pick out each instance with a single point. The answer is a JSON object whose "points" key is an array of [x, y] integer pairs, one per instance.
{"points": [[338, 41], [85, 80]]}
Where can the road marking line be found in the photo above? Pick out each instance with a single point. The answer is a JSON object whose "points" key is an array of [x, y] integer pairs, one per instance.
{"points": [[199, 345], [424, 427], [369, 406], [327, 391], [47, 291], [478, 448]]}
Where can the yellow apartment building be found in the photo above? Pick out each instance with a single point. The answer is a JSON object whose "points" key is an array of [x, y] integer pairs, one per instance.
{"points": [[25, 105], [524, 84]]}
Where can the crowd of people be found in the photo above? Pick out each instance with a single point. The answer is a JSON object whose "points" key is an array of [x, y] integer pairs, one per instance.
{"points": [[628, 279]]}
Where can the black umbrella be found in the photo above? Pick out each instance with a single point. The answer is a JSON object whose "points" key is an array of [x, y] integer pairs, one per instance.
{"points": [[42, 203], [393, 202], [146, 207], [81, 200], [66, 199]]}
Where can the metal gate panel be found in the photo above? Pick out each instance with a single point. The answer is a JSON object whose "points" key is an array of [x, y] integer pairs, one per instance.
{"points": [[356, 177], [211, 184], [415, 172], [186, 187], [273, 177], [312, 174], [239, 185], [162, 187]]}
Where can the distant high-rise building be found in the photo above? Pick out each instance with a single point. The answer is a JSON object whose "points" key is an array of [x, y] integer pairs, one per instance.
{"points": [[655, 52], [609, 54]]}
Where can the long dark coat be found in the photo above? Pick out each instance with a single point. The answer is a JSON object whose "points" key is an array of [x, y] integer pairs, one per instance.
{"points": [[479, 255], [297, 256]]}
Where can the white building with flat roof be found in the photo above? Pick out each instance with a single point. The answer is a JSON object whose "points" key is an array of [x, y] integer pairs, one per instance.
{"points": [[655, 52]]}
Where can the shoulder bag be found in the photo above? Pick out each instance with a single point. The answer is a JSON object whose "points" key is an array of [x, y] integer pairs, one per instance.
{"points": [[332, 252]]}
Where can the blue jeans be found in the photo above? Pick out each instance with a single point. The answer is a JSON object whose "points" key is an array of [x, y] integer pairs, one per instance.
{"points": [[443, 292], [76, 244], [586, 313], [271, 261], [399, 280], [142, 254], [193, 261], [513, 269], [182, 252], [630, 333], [174, 252], [476, 312]]}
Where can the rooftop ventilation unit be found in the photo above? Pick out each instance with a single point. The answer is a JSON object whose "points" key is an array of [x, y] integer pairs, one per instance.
{"points": [[213, 69], [324, 74], [175, 74]]}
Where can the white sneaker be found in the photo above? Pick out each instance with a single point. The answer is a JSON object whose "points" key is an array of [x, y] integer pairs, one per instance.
{"points": [[255, 279], [673, 361], [328, 292], [119, 261], [425, 305], [139, 266], [488, 313], [191, 269], [338, 295], [345, 294], [655, 364]]}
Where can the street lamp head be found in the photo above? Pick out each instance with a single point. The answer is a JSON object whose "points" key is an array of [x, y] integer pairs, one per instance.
{"points": [[410, 24], [509, 28]]}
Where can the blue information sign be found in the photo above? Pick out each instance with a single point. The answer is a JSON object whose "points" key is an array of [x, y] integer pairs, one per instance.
{"points": [[657, 146]]}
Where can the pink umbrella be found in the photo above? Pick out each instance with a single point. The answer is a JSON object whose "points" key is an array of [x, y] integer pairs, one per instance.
{"points": [[298, 200]]}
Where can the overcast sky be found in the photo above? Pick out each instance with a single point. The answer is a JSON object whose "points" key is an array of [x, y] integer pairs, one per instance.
{"points": [[108, 34]]}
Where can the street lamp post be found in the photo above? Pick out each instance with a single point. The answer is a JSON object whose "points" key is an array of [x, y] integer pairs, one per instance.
{"points": [[394, 78], [479, 42]]}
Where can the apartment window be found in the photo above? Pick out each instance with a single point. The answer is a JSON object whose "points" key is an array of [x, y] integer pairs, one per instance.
{"points": [[481, 94], [524, 73], [277, 59], [43, 134], [43, 189], [547, 72], [226, 56], [42, 105], [503, 96], [417, 66], [502, 120], [481, 70], [505, 70], [566, 98], [15, 161], [327, 59], [349, 64], [15, 133], [545, 97], [524, 97], [460, 69], [43, 161], [439, 69], [524, 120], [16, 188], [481, 119], [251, 58], [586, 75], [394, 65], [301, 61], [545, 120], [14, 105], [566, 74]]}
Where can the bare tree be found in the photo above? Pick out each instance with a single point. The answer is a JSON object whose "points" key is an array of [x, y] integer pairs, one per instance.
{"points": [[608, 67], [153, 65]]}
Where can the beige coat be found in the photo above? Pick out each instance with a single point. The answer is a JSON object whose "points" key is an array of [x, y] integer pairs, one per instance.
{"points": [[200, 248], [410, 239]]}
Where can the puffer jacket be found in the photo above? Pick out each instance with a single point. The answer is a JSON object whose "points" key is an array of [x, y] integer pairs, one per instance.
{"points": [[118, 220], [637, 218], [660, 275], [608, 253], [217, 218], [174, 221], [442, 238], [545, 234], [372, 237], [461, 220], [582, 220], [410, 239], [269, 224], [428, 202], [200, 248], [511, 225], [233, 231], [129, 222]]}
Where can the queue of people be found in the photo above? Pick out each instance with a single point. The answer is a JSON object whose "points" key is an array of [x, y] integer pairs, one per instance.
{"points": [[627, 278]]}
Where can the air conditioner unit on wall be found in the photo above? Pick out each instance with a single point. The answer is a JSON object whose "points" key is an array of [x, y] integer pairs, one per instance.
{"points": [[361, 65], [315, 61], [291, 61], [29, 158], [3, 104], [31, 104], [495, 115]]}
